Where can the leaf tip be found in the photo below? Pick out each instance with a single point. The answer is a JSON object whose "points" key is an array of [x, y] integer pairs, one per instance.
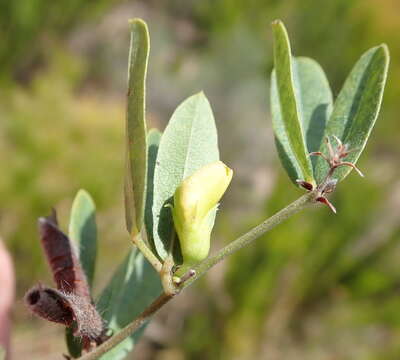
{"points": [[385, 50], [276, 22], [137, 21], [84, 195], [200, 96], [139, 26], [278, 27], [381, 50]]}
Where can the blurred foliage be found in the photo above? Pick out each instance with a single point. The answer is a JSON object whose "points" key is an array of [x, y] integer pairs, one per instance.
{"points": [[319, 286], [28, 29], [49, 149]]}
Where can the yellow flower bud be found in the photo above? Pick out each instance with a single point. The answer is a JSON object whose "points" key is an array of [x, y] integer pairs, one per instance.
{"points": [[195, 202]]}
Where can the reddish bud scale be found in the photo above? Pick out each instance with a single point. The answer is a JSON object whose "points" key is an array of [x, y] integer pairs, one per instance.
{"points": [[325, 201], [63, 261], [306, 185]]}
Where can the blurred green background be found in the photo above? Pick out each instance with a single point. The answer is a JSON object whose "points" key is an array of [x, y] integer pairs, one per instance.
{"points": [[318, 287]]}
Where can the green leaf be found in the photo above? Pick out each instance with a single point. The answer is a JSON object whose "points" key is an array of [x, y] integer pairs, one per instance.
{"points": [[83, 231], [285, 109], [2, 353], [134, 285], [153, 142], [315, 100], [357, 107], [74, 344], [189, 142], [136, 152]]}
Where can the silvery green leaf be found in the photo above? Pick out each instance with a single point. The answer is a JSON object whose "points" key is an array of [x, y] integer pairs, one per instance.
{"points": [[356, 107], [285, 108], [133, 286], [188, 143], [136, 133]]}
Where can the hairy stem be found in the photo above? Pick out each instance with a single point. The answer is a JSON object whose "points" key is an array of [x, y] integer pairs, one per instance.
{"points": [[129, 329], [298, 205], [244, 240]]}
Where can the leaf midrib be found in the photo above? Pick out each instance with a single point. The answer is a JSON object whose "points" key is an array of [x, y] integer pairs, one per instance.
{"points": [[193, 121]]}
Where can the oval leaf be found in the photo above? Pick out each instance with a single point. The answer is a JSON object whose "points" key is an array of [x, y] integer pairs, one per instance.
{"points": [[188, 143], [136, 147], [357, 107], [132, 288], [286, 120]]}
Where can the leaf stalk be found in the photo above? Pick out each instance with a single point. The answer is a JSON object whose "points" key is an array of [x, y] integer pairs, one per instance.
{"points": [[147, 253]]}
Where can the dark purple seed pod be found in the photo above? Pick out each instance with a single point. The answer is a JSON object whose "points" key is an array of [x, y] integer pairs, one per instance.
{"points": [[48, 304], [69, 310], [89, 324], [71, 304], [63, 261]]}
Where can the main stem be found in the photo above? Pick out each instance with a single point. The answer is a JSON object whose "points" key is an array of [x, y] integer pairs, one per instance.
{"points": [[298, 205], [129, 329]]}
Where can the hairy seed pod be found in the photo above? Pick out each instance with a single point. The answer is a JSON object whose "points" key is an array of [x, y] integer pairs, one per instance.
{"points": [[67, 309], [61, 256], [71, 304], [48, 304], [89, 324]]}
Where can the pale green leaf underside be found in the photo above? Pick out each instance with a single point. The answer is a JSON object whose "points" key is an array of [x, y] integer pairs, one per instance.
{"points": [[83, 232], [188, 143], [357, 106], [133, 286], [287, 125], [153, 142], [2, 353], [136, 147], [314, 97]]}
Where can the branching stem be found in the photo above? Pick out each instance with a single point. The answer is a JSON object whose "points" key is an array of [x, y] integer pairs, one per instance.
{"points": [[298, 205], [244, 240], [129, 329]]}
